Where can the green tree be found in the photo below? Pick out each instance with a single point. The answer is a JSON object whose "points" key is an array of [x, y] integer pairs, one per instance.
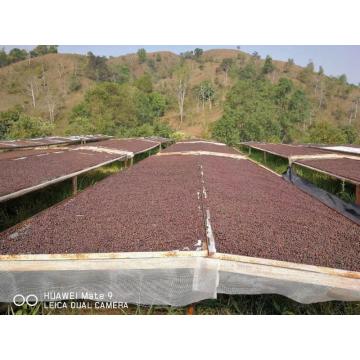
{"points": [[288, 66], [141, 53], [257, 110], [205, 93], [321, 70], [310, 67], [96, 68], [74, 83], [144, 83], [43, 50], [16, 54], [248, 72], [226, 130], [198, 52], [3, 58], [81, 126], [121, 73], [268, 65], [343, 79], [325, 132], [158, 57], [225, 66]]}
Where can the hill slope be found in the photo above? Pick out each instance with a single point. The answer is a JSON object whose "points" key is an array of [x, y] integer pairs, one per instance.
{"points": [[50, 86]]}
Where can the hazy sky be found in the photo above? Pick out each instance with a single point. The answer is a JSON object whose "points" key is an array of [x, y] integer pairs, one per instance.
{"points": [[336, 60]]}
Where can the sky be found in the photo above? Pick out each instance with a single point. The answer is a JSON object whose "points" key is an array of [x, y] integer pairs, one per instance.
{"points": [[335, 59]]}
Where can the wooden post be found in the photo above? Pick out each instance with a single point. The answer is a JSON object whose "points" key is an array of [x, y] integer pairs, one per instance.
{"points": [[160, 147], [249, 150], [357, 196], [74, 185], [265, 157]]}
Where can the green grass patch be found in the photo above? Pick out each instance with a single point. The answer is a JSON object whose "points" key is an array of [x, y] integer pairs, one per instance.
{"points": [[344, 191], [223, 305], [273, 162], [19, 209]]}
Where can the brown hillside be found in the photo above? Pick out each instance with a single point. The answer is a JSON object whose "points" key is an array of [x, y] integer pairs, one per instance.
{"points": [[51, 77]]}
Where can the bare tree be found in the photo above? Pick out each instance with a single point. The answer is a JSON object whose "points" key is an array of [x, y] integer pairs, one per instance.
{"points": [[31, 89], [354, 109], [61, 71], [43, 76], [182, 79], [51, 105]]}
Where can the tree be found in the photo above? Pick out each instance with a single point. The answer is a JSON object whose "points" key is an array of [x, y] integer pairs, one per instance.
{"points": [[16, 54], [310, 67], [31, 90], [3, 58], [268, 65], [325, 132], [198, 52], [51, 103], [225, 66], [158, 57], [248, 72], [282, 91], [226, 130], [182, 79], [74, 83], [43, 50], [321, 70], [205, 93], [121, 73], [141, 53], [256, 55], [289, 64], [96, 68], [144, 83], [343, 79]]}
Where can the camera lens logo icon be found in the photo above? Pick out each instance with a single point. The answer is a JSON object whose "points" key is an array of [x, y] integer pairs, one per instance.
{"points": [[30, 300]]}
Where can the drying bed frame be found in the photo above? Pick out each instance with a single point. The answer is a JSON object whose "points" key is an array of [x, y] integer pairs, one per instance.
{"points": [[335, 176], [296, 159], [51, 141], [171, 277], [175, 278], [125, 156]]}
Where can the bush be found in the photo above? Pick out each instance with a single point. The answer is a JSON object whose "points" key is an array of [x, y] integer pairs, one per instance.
{"points": [[326, 133], [28, 127], [81, 126], [74, 84], [7, 119]]}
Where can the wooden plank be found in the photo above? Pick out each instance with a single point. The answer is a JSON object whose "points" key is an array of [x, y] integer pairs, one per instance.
{"points": [[201, 152], [102, 261]]}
